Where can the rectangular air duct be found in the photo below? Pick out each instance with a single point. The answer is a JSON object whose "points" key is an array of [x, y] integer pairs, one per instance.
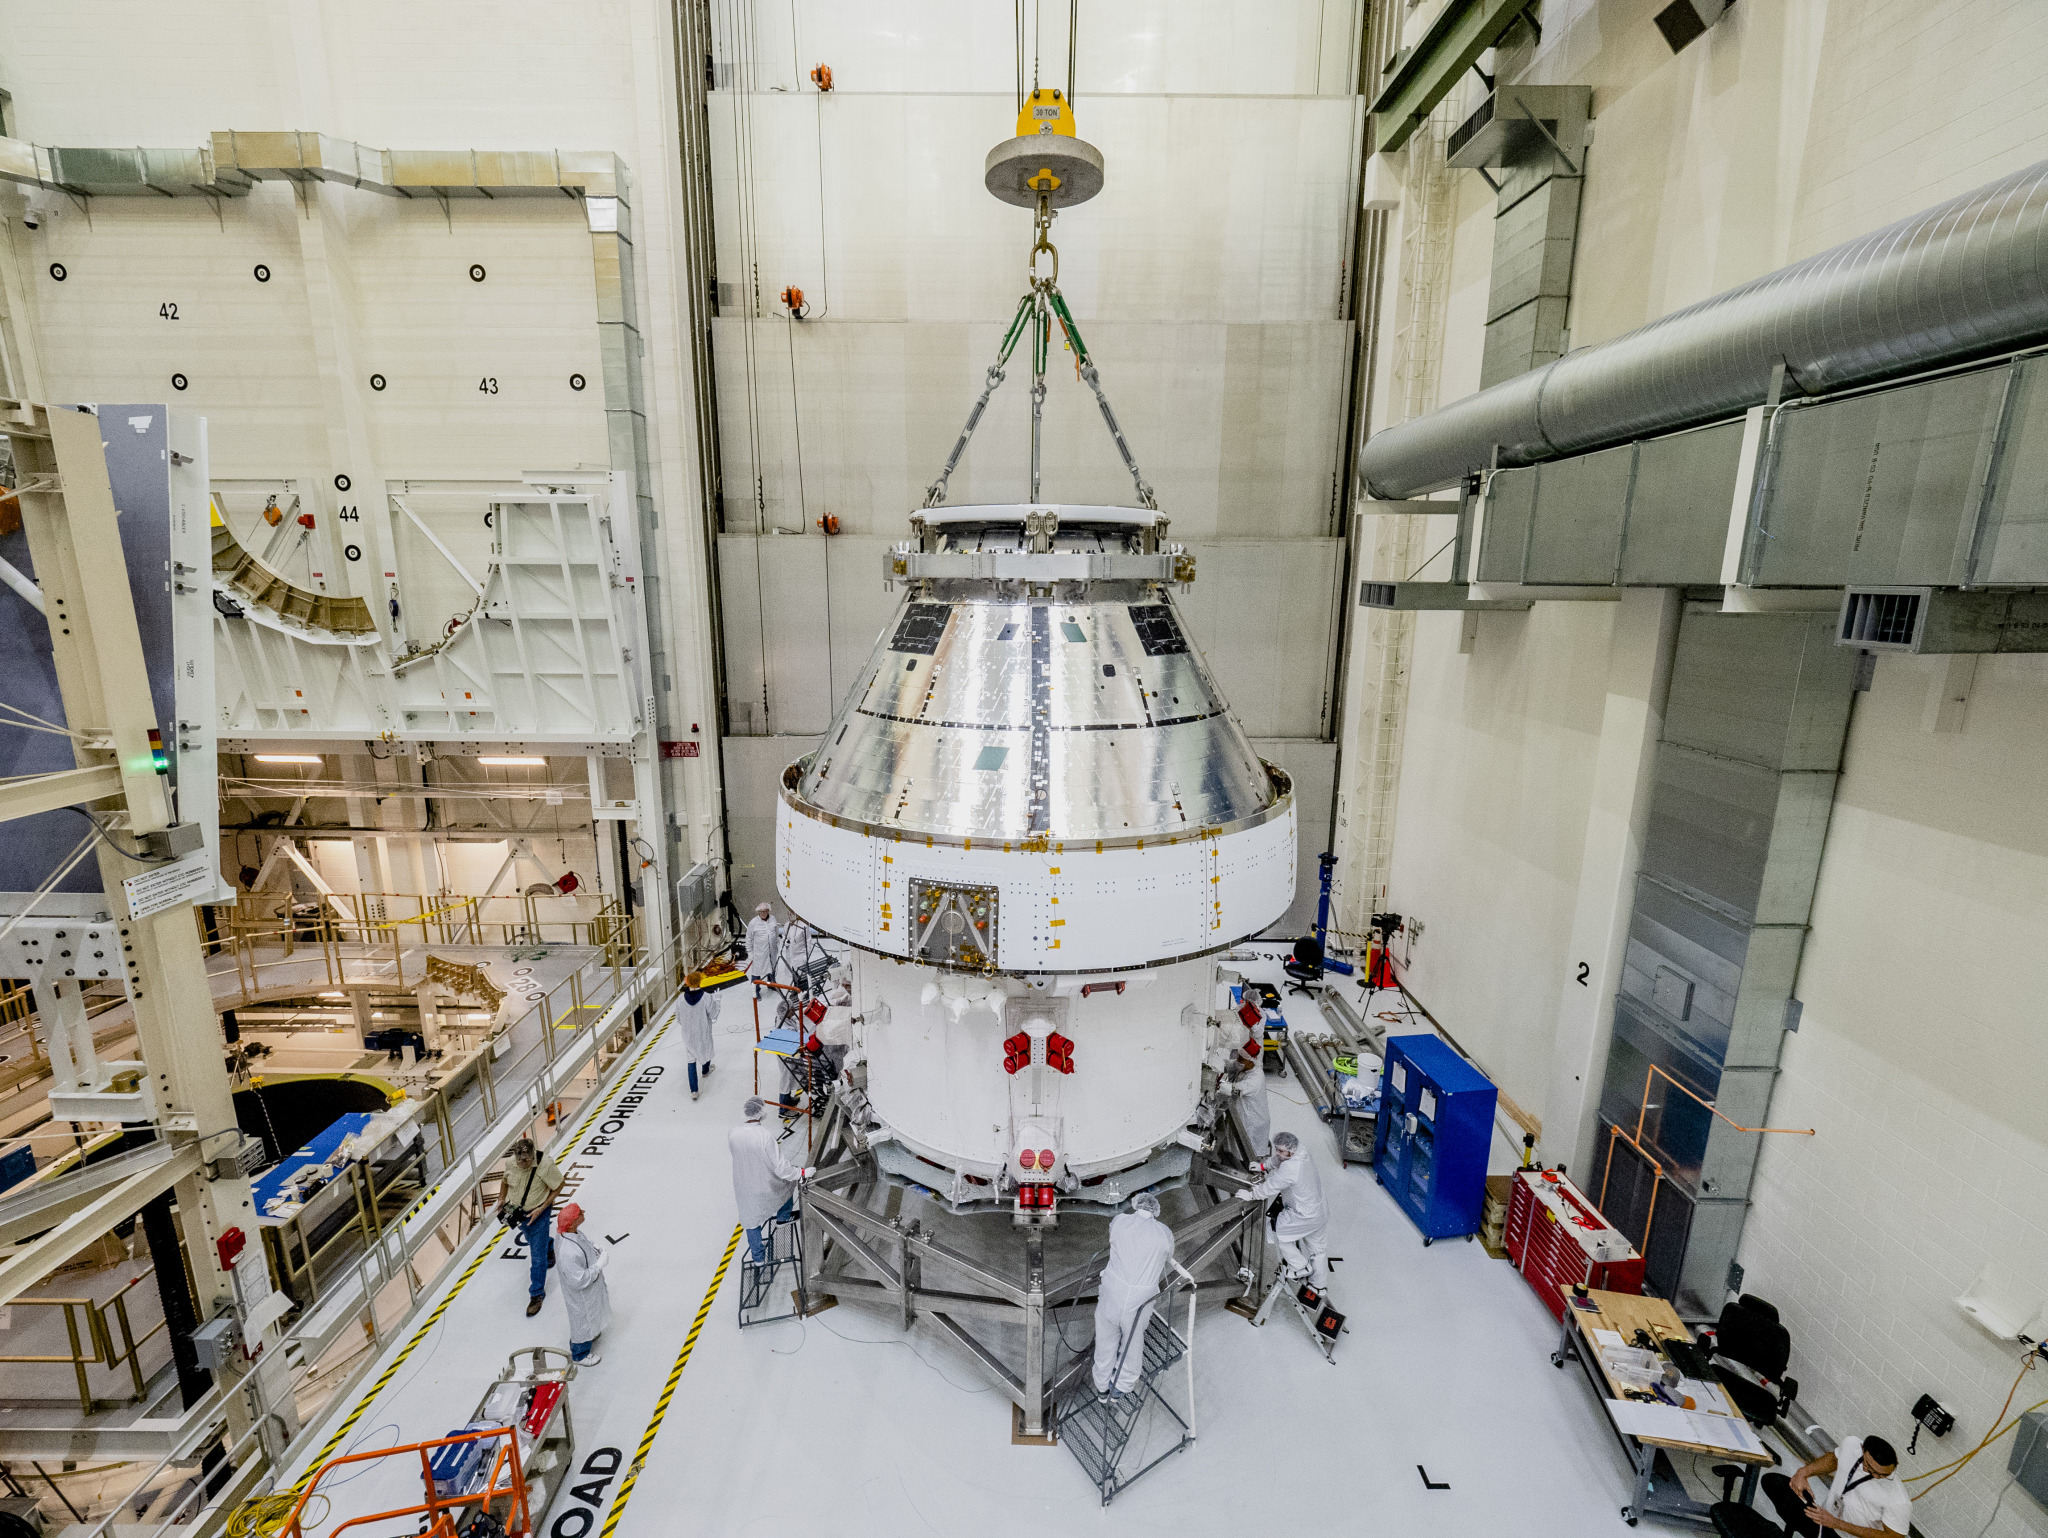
{"points": [[1684, 22], [1535, 136], [1942, 622]]}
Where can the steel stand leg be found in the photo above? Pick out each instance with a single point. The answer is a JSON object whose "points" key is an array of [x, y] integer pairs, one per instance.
{"points": [[908, 1265], [1034, 1334]]}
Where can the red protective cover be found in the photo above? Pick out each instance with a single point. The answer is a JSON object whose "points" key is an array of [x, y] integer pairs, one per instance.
{"points": [[544, 1397]]}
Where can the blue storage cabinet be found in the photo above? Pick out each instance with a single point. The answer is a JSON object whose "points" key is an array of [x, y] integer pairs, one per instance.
{"points": [[1435, 1132]]}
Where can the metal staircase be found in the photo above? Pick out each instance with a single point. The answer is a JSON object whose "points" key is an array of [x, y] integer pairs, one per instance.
{"points": [[1098, 1431]]}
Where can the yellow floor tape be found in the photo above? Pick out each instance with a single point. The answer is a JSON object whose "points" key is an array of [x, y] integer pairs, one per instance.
{"points": [[668, 1389], [384, 1378]]}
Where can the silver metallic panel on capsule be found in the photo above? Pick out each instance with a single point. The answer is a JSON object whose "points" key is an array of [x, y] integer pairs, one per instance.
{"points": [[1007, 718]]}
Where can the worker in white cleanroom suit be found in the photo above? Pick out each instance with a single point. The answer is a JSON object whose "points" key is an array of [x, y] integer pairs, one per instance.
{"points": [[695, 1016], [1247, 1082], [1140, 1248], [764, 946], [796, 946], [1301, 1227], [763, 1177], [584, 1290]]}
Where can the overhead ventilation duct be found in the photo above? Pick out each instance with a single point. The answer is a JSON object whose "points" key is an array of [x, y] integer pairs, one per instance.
{"points": [[1942, 622], [1535, 136], [1965, 279]]}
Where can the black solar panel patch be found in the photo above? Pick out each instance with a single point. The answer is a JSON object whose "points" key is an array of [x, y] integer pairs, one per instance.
{"points": [[921, 627], [1157, 631]]}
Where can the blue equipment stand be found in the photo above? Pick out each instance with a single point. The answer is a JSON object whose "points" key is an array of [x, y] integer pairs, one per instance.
{"points": [[1327, 863]]}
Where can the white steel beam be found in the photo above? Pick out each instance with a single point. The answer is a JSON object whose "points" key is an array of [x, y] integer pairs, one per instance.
{"points": [[35, 1260], [33, 793]]}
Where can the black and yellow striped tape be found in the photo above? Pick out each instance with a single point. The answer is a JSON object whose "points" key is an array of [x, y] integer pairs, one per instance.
{"points": [[384, 1378], [668, 1389]]}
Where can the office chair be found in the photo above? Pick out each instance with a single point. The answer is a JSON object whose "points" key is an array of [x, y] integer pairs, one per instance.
{"points": [[1305, 966], [1731, 1519], [1749, 1336]]}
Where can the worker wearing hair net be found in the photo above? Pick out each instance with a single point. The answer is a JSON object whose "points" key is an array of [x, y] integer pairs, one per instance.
{"points": [[1247, 1081], [763, 1177], [764, 946], [796, 946], [1301, 1227], [1140, 1249], [585, 1292]]}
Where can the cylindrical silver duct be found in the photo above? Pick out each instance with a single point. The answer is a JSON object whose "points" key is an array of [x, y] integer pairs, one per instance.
{"points": [[1963, 279]]}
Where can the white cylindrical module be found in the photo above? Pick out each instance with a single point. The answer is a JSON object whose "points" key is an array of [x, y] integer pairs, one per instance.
{"points": [[937, 1065], [1034, 818]]}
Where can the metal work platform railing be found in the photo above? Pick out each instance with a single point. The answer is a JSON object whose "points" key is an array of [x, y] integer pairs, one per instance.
{"points": [[94, 1347], [1097, 1429]]}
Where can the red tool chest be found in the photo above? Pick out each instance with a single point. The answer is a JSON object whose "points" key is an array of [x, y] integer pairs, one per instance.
{"points": [[1555, 1237]]}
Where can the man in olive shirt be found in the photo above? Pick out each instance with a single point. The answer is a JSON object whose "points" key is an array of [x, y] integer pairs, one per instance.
{"points": [[531, 1181]]}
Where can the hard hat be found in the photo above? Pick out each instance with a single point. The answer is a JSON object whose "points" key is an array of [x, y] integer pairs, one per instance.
{"points": [[568, 1218]]}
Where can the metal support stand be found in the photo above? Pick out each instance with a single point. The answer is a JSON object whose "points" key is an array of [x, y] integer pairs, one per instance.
{"points": [[74, 539], [858, 1247]]}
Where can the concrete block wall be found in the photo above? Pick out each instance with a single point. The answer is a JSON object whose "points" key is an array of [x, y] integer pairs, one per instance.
{"points": [[1921, 1061]]}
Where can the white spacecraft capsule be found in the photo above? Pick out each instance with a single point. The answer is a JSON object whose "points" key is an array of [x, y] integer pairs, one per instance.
{"points": [[1034, 819]]}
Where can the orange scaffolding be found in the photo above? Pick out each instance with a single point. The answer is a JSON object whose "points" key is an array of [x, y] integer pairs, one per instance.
{"points": [[442, 1513]]}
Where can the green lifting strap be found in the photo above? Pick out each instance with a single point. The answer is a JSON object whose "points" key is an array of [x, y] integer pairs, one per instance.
{"points": [[1059, 306]]}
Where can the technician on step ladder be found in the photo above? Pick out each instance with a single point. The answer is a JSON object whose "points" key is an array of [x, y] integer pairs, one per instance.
{"points": [[1301, 1228]]}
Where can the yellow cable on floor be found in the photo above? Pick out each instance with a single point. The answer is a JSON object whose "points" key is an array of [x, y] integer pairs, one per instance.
{"points": [[262, 1515]]}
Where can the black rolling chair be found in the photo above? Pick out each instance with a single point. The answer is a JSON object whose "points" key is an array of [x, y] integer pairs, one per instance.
{"points": [[1757, 1348], [1733, 1520], [1749, 1337], [1305, 966]]}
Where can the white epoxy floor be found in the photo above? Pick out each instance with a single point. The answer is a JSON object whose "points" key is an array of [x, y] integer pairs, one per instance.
{"points": [[845, 1420]]}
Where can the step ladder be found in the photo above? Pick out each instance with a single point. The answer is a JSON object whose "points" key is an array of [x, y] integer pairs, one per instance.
{"points": [[768, 1288], [1098, 1431], [1311, 1305]]}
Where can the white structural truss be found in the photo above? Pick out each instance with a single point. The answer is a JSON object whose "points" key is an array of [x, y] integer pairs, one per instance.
{"points": [[547, 654]]}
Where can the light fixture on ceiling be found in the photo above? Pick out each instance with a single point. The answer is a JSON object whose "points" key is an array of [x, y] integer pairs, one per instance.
{"points": [[512, 763], [288, 758]]}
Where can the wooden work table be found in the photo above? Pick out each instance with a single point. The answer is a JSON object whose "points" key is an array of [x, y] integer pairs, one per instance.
{"points": [[1658, 1492]]}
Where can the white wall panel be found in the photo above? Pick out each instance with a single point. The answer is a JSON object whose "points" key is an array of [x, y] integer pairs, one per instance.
{"points": [[1214, 47], [1260, 612], [1237, 427], [1213, 208]]}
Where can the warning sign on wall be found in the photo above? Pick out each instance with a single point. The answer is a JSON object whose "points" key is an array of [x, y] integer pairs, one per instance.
{"points": [[679, 749]]}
